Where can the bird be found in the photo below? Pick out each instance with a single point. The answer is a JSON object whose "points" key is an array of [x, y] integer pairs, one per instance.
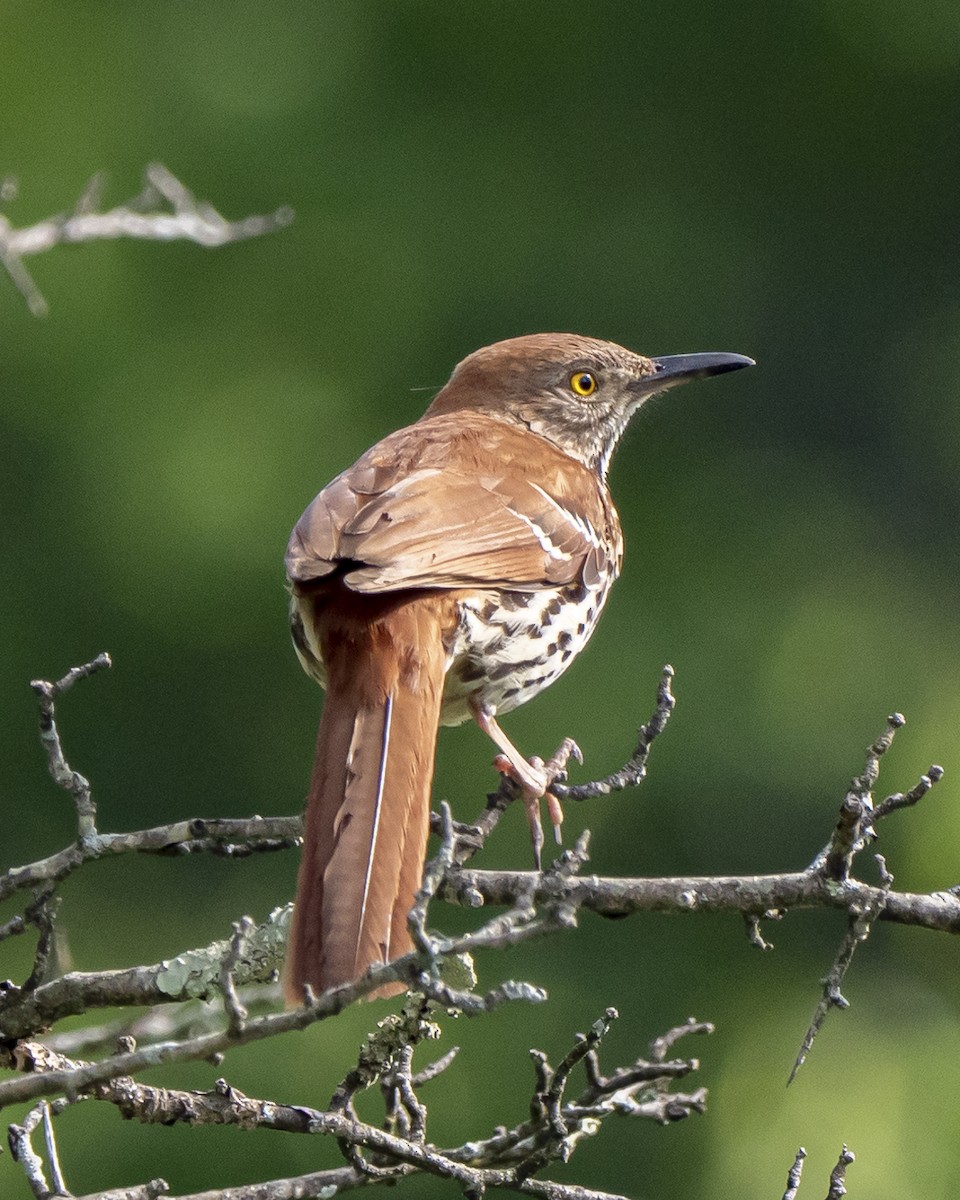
{"points": [[452, 573]]}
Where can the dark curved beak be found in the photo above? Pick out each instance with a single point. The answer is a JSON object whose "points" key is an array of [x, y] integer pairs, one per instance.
{"points": [[678, 368]]}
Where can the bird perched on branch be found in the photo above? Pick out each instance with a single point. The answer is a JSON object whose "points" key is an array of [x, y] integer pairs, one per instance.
{"points": [[453, 572]]}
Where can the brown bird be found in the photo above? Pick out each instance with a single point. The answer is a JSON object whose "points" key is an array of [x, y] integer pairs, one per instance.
{"points": [[454, 571]]}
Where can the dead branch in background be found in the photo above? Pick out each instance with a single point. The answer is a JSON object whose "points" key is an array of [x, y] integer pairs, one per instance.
{"points": [[164, 211], [206, 1001]]}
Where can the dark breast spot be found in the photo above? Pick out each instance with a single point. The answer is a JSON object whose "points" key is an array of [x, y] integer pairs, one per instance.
{"points": [[513, 601], [471, 670], [502, 669]]}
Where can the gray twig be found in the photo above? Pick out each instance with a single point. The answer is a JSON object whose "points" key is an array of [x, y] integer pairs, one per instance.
{"points": [[60, 770], [503, 1160], [794, 1174], [634, 770], [838, 1175], [228, 837], [859, 925], [161, 1022], [554, 1141], [53, 1155], [537, 903], [236, 1013], [900, 800], [755, 933], [42, 913], [164, 211], [855, 825]]}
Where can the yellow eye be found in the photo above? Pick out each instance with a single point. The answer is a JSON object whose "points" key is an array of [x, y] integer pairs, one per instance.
{"points": [[583, 383]]}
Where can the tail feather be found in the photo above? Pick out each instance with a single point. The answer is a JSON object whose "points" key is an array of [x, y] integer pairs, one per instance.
{"points": [[368, 809]]}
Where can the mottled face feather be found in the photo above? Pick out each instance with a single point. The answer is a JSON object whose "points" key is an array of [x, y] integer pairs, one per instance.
{"points": [[577, 392]]}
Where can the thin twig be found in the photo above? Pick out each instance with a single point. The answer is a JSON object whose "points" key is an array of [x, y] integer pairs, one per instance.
{"points": [[859, 926], [901, 800], [60, 769], [500, 1161], [53, 1155], [230, 837], [164, 211], [236, 1013], [838, 1175], [634, 770], [855, 825], [794, 1174]]}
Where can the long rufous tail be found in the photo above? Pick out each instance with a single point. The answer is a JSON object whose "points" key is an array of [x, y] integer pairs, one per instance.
{"points": [[368, 809]]}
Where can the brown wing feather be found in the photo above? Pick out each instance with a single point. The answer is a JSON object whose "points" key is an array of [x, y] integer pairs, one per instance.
{"points": [[460, 515]]}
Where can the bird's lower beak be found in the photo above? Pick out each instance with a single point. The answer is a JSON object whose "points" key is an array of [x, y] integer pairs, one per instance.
{"points": [[678, 368]]}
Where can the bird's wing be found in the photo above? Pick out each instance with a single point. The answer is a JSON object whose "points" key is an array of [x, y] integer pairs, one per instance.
{"points": [[459, 512]]}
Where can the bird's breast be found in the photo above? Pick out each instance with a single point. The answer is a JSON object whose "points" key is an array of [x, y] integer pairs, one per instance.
{"points": [[510, 645]]}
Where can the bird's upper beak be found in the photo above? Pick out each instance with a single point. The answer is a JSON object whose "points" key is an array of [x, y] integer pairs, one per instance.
{"points": [[678, 368]]}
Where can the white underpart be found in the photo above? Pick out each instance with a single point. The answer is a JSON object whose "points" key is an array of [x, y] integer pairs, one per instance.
{"points": [[484, 634]]}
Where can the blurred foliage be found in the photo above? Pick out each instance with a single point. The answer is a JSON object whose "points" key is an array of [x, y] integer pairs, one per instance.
{"points": [[780, 181]]}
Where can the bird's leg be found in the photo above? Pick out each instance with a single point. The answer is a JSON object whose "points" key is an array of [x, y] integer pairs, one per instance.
{"points": [[533, 776]]}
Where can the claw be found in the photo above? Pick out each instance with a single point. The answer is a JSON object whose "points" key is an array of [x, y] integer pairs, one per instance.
{"points": [[556, 817], [502, 765], [532, 805], [533, 776]]}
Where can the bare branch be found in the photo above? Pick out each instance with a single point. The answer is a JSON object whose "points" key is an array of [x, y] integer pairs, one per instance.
{"points": [[53, 1155], [634, 770], [755, 933], [556, 1140], [793, 1175], [438, 971], [225, 837], [616, 897], [858, 930], [42, 913], [660, 1047], [60, 770], [838, 1175], [855, 826], [161, 1022], [23, 1152], [504, 1160], [164, 211], [901, 800]]}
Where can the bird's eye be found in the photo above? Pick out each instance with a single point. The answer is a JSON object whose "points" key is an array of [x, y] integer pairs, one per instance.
{"points": [[583, 383]]}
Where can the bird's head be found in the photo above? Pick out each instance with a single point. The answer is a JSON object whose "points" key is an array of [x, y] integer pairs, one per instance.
{"points": [[578, 392]]}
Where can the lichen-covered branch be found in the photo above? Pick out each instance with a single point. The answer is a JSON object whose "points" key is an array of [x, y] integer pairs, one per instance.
{"points": [[206, 1001], [507, 1159]]}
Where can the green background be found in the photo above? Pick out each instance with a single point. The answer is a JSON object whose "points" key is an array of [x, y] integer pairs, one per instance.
{"points": [[777, 180]]}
